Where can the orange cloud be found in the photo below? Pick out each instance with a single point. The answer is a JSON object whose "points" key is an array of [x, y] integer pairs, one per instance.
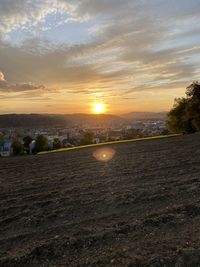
{"points": [[2, 78]]}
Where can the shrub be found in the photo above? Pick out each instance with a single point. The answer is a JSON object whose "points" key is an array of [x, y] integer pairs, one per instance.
{"points": [[18, 148]]}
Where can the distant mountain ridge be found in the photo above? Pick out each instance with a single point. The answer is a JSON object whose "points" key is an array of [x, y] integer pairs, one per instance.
{"points": [[52, 120], [145, 116], [77, 119]]}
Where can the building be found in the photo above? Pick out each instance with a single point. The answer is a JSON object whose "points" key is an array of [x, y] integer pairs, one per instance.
{"points": [[6, 149], [96, 140], [32, 147]]}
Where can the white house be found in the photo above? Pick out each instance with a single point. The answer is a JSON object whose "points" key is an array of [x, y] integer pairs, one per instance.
{"points": [[32, 146], [6, 149]]}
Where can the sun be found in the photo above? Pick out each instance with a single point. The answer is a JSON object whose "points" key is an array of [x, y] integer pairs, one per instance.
{"points": [[99, 108]]}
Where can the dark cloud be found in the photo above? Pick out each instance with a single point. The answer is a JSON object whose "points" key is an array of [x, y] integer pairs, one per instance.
{"points": [[6, 87]]}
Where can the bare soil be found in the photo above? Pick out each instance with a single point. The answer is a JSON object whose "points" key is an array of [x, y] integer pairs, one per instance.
{"points": [[68, 209]]}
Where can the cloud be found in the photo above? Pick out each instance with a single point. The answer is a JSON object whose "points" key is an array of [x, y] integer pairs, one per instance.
{"points": [[20, 87], [2, 77], [25, 14], [134, 45], [6, 87]]}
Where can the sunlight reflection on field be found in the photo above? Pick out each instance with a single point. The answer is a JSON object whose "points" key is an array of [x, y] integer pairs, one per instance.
{"points": [[104, 154]]}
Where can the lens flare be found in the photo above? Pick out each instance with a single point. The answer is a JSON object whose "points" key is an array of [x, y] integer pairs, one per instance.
{"points": [[104, 154]]}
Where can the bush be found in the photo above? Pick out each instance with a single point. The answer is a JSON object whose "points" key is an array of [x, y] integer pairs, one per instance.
{"points": [[18, 148], [87, 138], [41, 143], [56, 143]]}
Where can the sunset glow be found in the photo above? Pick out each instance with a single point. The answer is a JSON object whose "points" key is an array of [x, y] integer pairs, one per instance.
{"points": [[58, 55], [99, 108]]}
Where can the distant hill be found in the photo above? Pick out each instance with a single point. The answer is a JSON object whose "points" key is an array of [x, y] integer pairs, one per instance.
{"points": [[31, 120], [95, 120], [90, 120], [52, 120], [145, 116]]}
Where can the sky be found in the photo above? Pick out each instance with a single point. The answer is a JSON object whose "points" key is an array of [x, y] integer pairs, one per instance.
{"points": [[62, 56]]}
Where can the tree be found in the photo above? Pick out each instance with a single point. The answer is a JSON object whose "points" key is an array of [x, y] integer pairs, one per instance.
{"points": [[179, 119], [27, 140], [132, 133], [87, 138], [184, 117], [18, 148], [56, 143], [41, 143], [193, 96]]}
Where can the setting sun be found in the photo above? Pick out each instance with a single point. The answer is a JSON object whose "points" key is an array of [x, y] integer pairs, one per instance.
{"points": [[98, 108]]}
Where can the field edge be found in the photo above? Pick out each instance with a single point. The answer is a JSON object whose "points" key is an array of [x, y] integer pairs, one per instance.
{"points": [[109, 143]]}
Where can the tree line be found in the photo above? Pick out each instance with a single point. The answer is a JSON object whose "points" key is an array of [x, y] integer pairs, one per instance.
{"points": [[41, 143]]}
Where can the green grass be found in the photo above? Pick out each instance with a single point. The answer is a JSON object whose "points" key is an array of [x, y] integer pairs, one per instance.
{"points": [[108, 143]]}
